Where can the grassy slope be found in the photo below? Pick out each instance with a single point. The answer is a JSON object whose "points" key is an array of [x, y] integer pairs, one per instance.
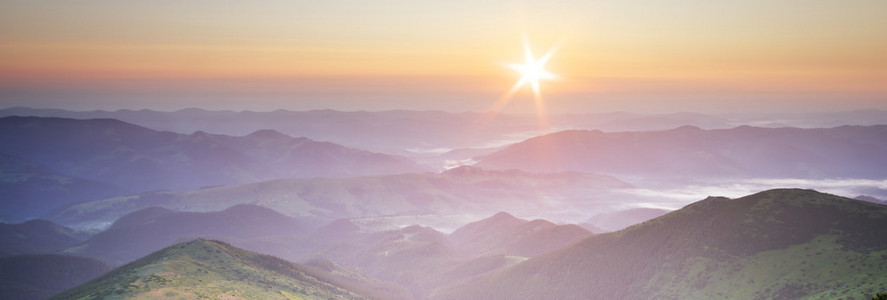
{"points": [[781, 244], [202, 268]]}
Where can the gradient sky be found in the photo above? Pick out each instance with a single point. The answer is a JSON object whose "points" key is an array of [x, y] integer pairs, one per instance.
{"points": [[642, 56]]}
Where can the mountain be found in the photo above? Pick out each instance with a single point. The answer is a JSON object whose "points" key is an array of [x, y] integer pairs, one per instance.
{"points": [[385, 131], [504, 234], [741, 152], [41, 276], [620, 219], [623, 121], [777, 244], [410, 256], [425, 260], [301, 157], [30, 190], [460, 191], [36, 237], [203, 268], [142, 159], [150, 229]]}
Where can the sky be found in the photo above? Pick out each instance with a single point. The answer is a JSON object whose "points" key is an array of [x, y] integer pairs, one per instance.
{"points": [[642, 56]]}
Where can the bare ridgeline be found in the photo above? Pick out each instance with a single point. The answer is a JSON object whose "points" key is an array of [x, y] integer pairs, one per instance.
{"points": [[434, 205]]}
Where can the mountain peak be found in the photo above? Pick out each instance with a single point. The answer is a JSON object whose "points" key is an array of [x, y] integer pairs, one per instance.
{"points": [[200, 267], [776, 244], [267, 134]]}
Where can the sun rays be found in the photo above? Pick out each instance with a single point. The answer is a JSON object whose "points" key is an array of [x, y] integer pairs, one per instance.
{"points": [[531, 71]]}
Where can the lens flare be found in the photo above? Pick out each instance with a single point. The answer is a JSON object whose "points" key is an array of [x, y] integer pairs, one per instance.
{"points": [[532, 71]]}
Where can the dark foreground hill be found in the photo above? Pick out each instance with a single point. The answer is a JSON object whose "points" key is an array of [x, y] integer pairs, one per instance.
{"points": [[203, 268], [40, 276], [778, 244]]}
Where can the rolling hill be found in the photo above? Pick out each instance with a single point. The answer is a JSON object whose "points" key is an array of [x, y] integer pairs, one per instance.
{"points": [[203, 268], [504, 234], [777, 244], [37, 237], [31, 190], [150, 229], [141, 159], [741, 152], [463, 190]]}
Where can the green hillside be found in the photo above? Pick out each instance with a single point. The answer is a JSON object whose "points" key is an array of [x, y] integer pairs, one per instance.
{"points": [[778, 244], [211, 269]]}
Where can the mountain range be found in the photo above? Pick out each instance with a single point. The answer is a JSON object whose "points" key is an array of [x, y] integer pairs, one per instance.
{"points": [[37, 237], [427, 130], [691, 152], [30, 189], [141, 159], [460, 191], [147, 230], [777, 244]]}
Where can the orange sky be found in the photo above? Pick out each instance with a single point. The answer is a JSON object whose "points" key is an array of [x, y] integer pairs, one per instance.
{"points": [[451, 55]]}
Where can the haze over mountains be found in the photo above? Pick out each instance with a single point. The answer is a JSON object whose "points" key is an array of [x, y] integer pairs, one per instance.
{"points": [[418, 205], [419, 134], [690, 152], [460, 191], [781, 244]]}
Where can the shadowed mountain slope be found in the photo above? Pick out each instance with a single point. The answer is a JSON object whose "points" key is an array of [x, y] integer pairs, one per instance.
{"points": [[142, 159], [40, 276], [778, 244], [30, 190], [151, 229], [37, 237]]}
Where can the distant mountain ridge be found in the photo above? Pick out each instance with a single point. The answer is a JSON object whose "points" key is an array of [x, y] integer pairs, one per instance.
{"points": [[387, 130], [505, 234], [142, 159], [741, 152], [144, 231], [30, 189], [37, 237], [458, 191], [777, 244]]}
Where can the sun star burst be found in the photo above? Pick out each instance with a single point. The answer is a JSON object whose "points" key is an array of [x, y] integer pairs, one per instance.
{"points": [[532, 70]]}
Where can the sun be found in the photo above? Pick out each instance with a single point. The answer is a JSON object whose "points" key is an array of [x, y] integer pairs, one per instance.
{"points": [[532, 70]]}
